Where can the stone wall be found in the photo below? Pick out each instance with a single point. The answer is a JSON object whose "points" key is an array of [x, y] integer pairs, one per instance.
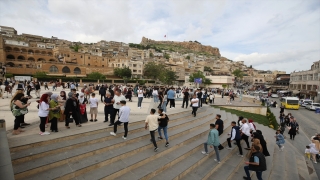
{"points": [[262, 110]]}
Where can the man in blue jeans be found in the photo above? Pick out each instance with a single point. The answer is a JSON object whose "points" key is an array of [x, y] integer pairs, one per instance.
{"points": [[163, 124], [256, 163], [171, 95]]}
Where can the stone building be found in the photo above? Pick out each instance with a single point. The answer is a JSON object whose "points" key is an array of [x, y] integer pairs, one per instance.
{"points": [[306, 84]]}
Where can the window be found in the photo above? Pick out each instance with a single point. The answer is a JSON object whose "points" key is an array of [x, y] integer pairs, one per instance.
{"points": [[88, 64], [80, 56], [89, 57], [66, 69], [102, 65], [53, 69], [77, 70]]}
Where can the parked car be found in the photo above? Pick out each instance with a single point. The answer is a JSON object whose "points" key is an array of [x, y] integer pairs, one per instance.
{"points": [[274, 95], [313, 106], [306, 102]]}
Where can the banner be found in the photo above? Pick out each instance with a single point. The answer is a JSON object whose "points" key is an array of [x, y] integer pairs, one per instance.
{"points": [[198, 80]]}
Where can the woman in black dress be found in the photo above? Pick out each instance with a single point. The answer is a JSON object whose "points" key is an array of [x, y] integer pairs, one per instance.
{"points": [[258, 135], [83, 109]]}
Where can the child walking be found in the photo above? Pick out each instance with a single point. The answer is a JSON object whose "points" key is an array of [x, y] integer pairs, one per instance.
{"points": [[93, 107], [307, 152], [279, 140]]}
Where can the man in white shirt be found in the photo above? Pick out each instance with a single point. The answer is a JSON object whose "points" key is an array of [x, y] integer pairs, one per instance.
{"points": [[140, 97], [195, 105], [245, 132], [123, 118], [116, 106], [152, 122]]}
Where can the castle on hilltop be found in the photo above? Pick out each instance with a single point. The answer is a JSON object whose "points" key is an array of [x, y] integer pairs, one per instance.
{"points": [[193, 46]]}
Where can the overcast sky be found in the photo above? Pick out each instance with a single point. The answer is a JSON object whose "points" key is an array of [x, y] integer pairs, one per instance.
{"points": [[269, 34]]}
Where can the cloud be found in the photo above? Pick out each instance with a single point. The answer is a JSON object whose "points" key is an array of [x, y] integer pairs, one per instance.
{"points": [[258, 32]]}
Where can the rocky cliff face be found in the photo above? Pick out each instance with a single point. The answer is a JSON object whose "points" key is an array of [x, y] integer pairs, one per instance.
{"points": [[193, 46]]}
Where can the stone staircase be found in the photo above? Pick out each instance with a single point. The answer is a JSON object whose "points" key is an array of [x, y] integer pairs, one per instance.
{"points": [[97, 155]]}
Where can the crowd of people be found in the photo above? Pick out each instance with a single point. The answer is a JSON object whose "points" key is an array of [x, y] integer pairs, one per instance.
{"points": [[241, 130], [72, 106], [289, 122]]}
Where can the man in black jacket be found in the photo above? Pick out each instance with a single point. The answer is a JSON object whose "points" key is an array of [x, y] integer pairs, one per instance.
{"points": [[102, 92], [38, 88], [256, 163]]}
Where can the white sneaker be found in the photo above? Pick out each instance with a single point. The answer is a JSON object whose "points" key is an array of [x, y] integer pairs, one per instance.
{"points": [[113, 134], [139, 107], [124, 138], [240, 155], [229, 148], [45, 133], [217, 161], [203, 152], [281, 148]]}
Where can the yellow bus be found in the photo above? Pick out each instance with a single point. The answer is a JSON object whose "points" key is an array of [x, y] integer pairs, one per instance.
{"points": [[290, 102]]}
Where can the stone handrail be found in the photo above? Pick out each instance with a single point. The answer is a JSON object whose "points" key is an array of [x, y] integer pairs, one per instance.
{"points": [[6, 169]]}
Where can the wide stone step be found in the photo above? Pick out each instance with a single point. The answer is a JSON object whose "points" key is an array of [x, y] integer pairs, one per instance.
{"points": [[80, 134], [83, 140], [186, 168], [149, 171], [146, 154], [223, 114], [104, 149]]}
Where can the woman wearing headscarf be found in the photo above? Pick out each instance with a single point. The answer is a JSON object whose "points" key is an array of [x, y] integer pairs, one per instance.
{"points": [[54, 115], [83, 108], [72, 108], [62, 99], [43, 113], [258, 135]]}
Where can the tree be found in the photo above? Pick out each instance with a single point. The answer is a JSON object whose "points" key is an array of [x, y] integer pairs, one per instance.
{"points": [[168, 76], [96, 76], [8, 75], [40, 74], [250, 66], [188, 57], [224, 86], [151, 55], [122, 72], [152, 70], [238, 74], [167, 56], [196, 75], [206, 68], [207, 81], [76, 47]]}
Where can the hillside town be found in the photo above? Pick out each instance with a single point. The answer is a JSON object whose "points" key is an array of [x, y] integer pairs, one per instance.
{"points": [[97, 90], [26, 54]]}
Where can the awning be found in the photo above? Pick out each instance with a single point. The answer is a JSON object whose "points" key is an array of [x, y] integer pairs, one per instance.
{"points": [[295, 91], [79, 75], [55, 74]]}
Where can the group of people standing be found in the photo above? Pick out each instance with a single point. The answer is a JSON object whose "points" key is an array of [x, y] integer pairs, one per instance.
{"points": [[240, 131]]}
